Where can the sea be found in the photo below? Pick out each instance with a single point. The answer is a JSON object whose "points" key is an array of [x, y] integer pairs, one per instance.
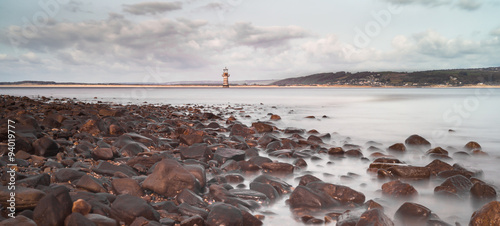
{"points": [[447, 117]]}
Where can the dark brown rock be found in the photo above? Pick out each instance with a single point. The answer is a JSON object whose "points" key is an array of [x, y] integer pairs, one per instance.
{"points": [[169, 178], [457, 184], [262, 127], [224, 214], [412, 214], [127, 186], [81, 206], [416, 140], [91, 184], [193, 221], [488, 215], [343, 194], [438, 166], [398, 189], [189, 197], [277, 168], [265, 189], [410, 172], [224, 154], [197, 151], [306, 198], [46, 146], [128, 207], [102, 154], [281, 186], [26, 198], [398, 148], [483, 192], [308, 178], [53, 209], [374, 217], [472, 145], [78, 219]]}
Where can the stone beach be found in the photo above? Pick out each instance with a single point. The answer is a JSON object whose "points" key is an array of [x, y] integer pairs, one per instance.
{"points": [[81, 163]]}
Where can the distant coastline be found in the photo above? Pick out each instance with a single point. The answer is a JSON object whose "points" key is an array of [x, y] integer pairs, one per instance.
{"points": [[231, 86]]}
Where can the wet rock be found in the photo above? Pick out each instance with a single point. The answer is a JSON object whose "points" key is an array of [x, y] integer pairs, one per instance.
{"points": [[437, 150], [128, 207], [109, 169], [193, 221], [101, 220], [281, 186], [275, 117], [248, 194], [224, 154], [132, 149], [198, 172], [266, 139], [250, 220], [300, 163], [457, 184], [410, 172], [45, 146], [234, 178], [224, 214], [18, 221], [398, 189], [52, 209], [472, 145], [65, 175], [398, 148], [81, 206], [417, 141], [189, 197], [343, 194], [188, 210], [277, 168], [290, 130], [78, 219], [354, 153], [308, 178], [241, 130], [265, 189], [489, 214], [102, 154], [306, 198], [337, 151], [262, 127], [412, 214], [437, 166], [90, 183], [197, 151], [91, 126], [483, 192], [35, 180], [169, 178], [374, 217], [126, 186], [26, 198]]}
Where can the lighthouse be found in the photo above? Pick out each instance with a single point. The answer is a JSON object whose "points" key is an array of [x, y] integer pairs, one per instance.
{"points": [[225, 75]]}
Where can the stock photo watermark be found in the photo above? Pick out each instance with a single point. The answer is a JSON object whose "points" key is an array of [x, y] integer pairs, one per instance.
{"points": [[455, 116], [41, 18], [364, 35], [11, 168]]}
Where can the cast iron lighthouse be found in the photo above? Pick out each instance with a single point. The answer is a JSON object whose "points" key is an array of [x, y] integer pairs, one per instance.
{"points": [[225, 74]]}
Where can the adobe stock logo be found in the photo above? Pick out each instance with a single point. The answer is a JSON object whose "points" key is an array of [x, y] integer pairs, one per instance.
{"points": [[31, 26], [373, 28]]}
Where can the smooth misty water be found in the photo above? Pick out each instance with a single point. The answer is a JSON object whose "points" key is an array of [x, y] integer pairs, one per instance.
{"points": [[356, 116]]}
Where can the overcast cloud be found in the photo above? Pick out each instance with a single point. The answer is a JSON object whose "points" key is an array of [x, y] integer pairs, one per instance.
{"points": [[194, 40]]}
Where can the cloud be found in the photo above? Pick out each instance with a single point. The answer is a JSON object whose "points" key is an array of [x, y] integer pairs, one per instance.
{"points": [[152, 8], [462, 4], [433, 44], [265, 37]]}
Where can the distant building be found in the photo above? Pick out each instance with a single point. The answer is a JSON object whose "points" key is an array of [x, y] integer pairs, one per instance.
{"points": [[225, 74]]}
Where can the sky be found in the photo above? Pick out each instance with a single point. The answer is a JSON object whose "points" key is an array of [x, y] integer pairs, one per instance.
{"points": [[193, 40]]}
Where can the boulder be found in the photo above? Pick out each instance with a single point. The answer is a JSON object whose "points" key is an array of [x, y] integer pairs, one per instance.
{"points": [[457, 184], [398, 148], [224, 154], [109, 169], [81, 206], [65, 175], [489, 214], [374, 217], [262, 127], [417, 141], [398, 189], [265, 189], [102, 154], [126, 186], [46, 146], [20, 220], [197, 151], [91, 184], [78, 219], [410, 172], [412, 214], [281, 186], [483, 192], [169, 178], [224, 214], [472, 145], [189, 197], [437, 166], [277, 168], [101, 220], [128, 207], [343, 194], [307, 198], [53, 209]]}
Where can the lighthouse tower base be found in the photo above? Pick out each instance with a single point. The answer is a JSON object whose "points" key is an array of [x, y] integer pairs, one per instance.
{"points": [[225, 86]]}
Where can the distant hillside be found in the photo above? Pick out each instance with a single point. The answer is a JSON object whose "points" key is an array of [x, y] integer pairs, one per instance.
{"points": [[453, 77]]}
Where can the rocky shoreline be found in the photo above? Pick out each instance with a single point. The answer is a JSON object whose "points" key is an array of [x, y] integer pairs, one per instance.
{"points": [[104, 164]]}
